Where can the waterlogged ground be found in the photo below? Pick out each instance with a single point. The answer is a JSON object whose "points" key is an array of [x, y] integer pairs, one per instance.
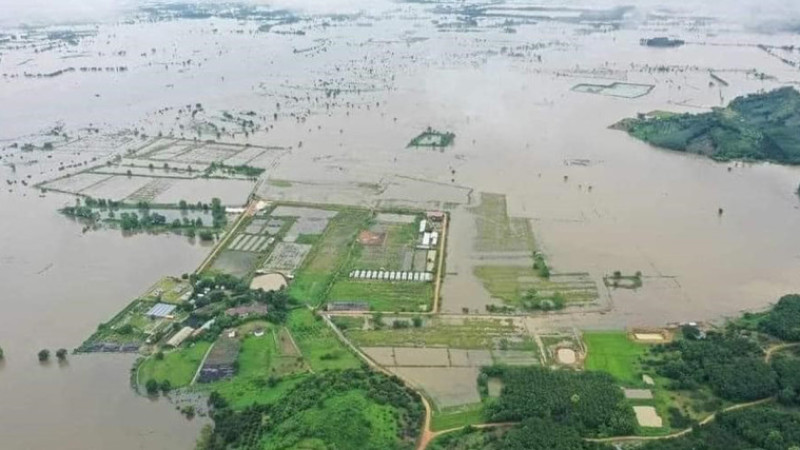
{"points": [[341, 97]]}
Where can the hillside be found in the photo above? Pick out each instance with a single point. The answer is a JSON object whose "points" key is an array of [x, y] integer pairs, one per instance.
{"points": [[760, 127]]}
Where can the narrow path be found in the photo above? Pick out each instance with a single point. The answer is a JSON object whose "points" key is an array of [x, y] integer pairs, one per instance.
{"points": [[437, 288], [249, 210], [426, 435], [203, 361], [776, 348]]}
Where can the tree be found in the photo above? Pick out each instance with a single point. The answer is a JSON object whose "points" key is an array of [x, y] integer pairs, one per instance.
{"points": [[165, 386], [159, 356], [61, 354], [1, 353], [44, 355], [417, 320], [151, 386]]}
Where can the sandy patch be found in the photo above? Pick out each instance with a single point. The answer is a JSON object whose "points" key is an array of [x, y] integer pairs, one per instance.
{"points": [[495, 387], [647, 416], [649, 337], [648, 380], [566, 356], [638, 394], [268, 282]]}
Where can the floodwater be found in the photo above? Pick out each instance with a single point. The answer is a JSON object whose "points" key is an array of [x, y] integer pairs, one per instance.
{"points": [[58, 285], [348, 97]]}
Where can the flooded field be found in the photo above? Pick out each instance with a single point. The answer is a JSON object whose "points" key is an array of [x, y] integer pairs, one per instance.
{"points": [[320, 109]]}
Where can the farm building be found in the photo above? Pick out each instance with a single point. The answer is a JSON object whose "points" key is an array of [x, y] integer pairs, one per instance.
{"points": [[180, 336]]}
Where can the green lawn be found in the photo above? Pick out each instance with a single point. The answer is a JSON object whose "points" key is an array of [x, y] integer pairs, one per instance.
{"points": [[178, 366], [320, 347], [614, 353], [385, 295]]}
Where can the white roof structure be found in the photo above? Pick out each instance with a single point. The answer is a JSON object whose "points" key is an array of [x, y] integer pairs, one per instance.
{"points": [[423, 225], [161, 310]]}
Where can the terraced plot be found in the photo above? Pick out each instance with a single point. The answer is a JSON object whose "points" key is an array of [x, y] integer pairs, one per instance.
{"points": [[497, 232], [519, 285]]}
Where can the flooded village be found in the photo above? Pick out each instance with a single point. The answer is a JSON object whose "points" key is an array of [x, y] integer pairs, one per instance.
{"points": [[212, 205]]}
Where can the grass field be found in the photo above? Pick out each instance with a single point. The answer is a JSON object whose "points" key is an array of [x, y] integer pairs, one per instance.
{"points": [[319, 345], [328, 256], [497, 232], [614, 353], [171, 289], [461, 416], [241, 392], [178, 366], [511, 283], [384, 295]]}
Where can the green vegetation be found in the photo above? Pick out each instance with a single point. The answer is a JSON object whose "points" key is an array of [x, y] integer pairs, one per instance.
{"points": [[612, 352], [140, 217], [384, 295], [461, 416], [328, 257], [432, 138], [524, 288], [731, 365], [618, 280], [43, 355], [756, 127], [751, 428], [531, 434], [497, 232], [389, 255], [783, 320], [319, 345], [589, 403], [178, 366], [2, 355], [337, 409], [243, 170]]}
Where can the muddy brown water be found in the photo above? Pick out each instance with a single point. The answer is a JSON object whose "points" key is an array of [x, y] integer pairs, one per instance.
{"points": [[517, 123], [58, 285]]}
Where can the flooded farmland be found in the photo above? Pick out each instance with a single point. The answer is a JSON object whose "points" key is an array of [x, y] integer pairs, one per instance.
{"points": [[324, 105]]}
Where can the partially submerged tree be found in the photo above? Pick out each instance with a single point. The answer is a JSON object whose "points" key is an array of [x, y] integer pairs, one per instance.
{"points": [[44, 355]]}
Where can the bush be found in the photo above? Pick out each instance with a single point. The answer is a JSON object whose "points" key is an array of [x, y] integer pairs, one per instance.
{"points": [[152, 387], [43, 355]]}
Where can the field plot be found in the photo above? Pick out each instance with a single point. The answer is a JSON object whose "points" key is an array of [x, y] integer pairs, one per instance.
{"points": [[524, 288], [178, 366], [149, 191], [220, 363], [286, 258], [625, 90], [320, 347], [169, 290], [446, 386], [486, 334], [116, 187], [383, 295], [75, 183], [237, 263], [386, 246], [328, 256], [308, 221], [497, 232], [613, 352]]}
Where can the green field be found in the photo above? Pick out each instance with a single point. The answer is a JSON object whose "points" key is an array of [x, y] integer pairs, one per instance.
{"points": [[461, 416], [242, 392], [614, 353], [321, 349], [328, 256], [497, 232], [399, 239], [178, 366], [385, 295]]}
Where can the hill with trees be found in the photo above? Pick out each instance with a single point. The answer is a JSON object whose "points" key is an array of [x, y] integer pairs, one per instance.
{"points": [[762, 127]]}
